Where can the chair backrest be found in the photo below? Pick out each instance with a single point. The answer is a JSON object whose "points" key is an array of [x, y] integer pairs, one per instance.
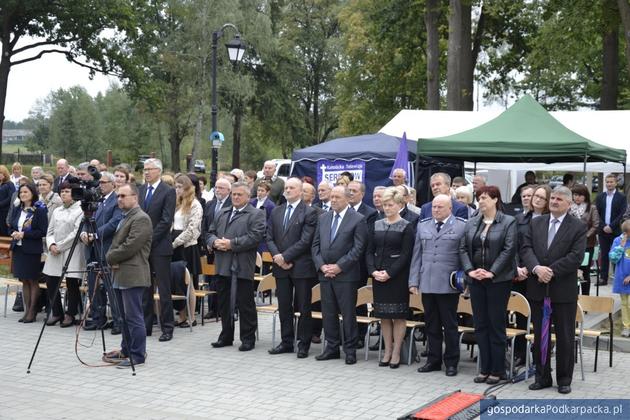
{"points": [[415, 301], [365, 295], [597, 304], [268, 282], [207, 269], [464, 306], [579, 318], [259, 262], [266, 257], [316, 294], [519, 304]]}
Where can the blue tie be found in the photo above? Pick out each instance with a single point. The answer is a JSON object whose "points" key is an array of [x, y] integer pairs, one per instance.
{"points": [[147, 200], [333, 229], [287, 217]]}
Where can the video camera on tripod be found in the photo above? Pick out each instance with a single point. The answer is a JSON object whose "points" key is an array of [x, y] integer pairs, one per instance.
{"points": [[88, 192]]}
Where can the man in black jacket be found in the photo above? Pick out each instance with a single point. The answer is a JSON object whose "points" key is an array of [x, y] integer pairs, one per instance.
{"points": [[611, 205], [289, 239], [157, 199], [553, 250]]}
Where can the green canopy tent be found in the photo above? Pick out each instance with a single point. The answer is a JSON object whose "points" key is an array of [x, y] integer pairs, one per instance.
{"points": [[525, 132]]}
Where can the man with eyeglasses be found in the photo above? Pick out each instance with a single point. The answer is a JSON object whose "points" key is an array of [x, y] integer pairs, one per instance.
{"points": [[157, 199], [106, 218]]}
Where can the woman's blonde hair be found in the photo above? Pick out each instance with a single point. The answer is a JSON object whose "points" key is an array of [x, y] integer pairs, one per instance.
{"points": [[394, 194], [186, 198], [4, 171]]}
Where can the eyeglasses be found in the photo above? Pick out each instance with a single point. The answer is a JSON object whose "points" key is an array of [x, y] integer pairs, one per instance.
{"points": [[125, 195], [149, 169], [104, 182], [540, 197]]}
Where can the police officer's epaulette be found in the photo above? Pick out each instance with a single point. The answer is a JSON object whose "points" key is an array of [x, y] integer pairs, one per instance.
{"points": [[462, 219], [426, 220]]}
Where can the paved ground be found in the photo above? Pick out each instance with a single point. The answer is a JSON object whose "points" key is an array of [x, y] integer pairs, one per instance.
{"points": [[186, 378]]}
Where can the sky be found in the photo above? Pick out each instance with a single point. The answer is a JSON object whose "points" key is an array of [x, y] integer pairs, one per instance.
{"points": [[34, 80]]}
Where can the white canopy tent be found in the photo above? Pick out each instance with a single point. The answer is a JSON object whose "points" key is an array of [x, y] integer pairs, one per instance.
{"points": [[609, 128]]}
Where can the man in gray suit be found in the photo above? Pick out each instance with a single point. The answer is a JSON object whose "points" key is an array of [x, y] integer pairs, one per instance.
{"points": [[339, 242], [128, 257], [289, 239], [234, 237], [435, 257]]}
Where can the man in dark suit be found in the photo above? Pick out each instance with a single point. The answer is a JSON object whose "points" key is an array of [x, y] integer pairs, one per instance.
{"points": [[406, 213], [553, 250], [323, 195], [157, 199], [377, 196], [611, 206], [221, 201], [441, 184], [106, 219], [129, 259], [339, 243], [233, 237], [63, 169], [289, 239]]}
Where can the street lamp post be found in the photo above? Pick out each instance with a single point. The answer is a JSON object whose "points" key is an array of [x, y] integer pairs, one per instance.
{"points": [[236, 51]]}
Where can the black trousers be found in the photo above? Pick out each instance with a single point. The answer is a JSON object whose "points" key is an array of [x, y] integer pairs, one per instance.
{"points": [[74, 295], [563, 321], [161, 278], [340, 298], [489, 303], [294, 295], [440, 314], [585, 285], [247, 316], [605, 242]]}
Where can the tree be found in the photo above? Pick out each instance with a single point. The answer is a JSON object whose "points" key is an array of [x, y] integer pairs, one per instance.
{"points": [[74, 28]]}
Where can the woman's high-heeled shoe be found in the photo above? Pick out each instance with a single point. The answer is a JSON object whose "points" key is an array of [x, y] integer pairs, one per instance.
{"points": [[30, 321], [383, 364], [394, 365], [52, 321], [68, 321]]}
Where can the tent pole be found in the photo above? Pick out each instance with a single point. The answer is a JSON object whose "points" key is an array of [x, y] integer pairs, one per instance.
{"points": [[585, 159], [475, 168]]}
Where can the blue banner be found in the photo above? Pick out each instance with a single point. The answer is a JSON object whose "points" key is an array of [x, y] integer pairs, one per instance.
{"points": [[330, 170]]}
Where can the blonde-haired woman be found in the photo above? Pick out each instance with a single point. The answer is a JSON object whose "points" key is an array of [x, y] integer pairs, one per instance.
{"points": [[186, 231], [388, 257], [47, 195]]}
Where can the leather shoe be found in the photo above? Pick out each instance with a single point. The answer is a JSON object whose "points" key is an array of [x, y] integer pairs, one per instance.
{"points": [[53, 320], [429, 368], [246, 347], [360, 344], [209, 315], [302, 353], [218, 344], [536, 386], [92, 326], [328, 355], [166, 337], [451, 371], [115, 330], [564, 389], [281, 348], [351, 359], [316, 339], [602, 283]]}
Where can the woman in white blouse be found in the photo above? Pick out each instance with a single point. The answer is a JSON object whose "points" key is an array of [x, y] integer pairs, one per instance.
{"points": [[186, 231], [62, 228], [47, 195]]}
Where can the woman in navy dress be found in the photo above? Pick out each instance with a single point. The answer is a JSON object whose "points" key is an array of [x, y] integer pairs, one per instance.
{"points": [[29, 222]]}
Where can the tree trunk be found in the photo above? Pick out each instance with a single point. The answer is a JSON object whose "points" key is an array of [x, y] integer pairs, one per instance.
{"points": [[316, 81], [624, 12], [453, 77], [610, 69], [197, 137], [431, 16], [236, 139], [175, 141], [5, 67], [467, 67]]}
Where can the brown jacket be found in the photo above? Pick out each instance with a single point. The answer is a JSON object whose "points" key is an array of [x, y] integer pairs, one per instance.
{"points": [[591, 220], [129, 253]]}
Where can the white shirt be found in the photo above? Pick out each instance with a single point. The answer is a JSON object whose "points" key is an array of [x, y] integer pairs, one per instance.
{"points": [[560, 219], [609, 200], [178, 220], [260, 203], [443, 221], [357, 207], [154, 185], [293, 207], [342, 213], [325, 205], [21, 221]]}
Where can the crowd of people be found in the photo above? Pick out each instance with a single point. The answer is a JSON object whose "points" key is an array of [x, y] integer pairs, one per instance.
{"points": [[319, 235]]}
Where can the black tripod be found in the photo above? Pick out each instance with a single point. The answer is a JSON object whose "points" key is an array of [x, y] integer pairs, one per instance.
{"points": [[89, 222]]}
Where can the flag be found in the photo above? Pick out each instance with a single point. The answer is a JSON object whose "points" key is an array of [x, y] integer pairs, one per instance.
{"points": [[402, 157]]}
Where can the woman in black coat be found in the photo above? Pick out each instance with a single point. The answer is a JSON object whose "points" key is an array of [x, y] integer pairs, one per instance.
{"points": [[488, 256], [7, 188], [29, 222]]}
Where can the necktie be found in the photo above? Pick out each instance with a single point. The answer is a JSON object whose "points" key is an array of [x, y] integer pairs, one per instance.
{"points": [[234, 213], [553, 228], [287, 217], [333, 229], [439, 226], [217, 208], [325, 207], [147, 200]]}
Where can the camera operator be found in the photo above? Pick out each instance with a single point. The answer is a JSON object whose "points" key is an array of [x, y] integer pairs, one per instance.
{"points": [[106, 219]]}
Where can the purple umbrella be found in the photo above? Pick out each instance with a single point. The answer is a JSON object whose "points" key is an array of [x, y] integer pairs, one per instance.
{"points": [[546, 326]]}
